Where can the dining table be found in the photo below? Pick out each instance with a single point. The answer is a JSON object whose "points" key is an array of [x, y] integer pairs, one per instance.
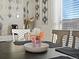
{"points": [[8, 50]]}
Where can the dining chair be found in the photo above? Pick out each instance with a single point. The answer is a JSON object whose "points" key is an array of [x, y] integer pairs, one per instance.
{"points": [[20, 34], [59, 38], [74, 50]]}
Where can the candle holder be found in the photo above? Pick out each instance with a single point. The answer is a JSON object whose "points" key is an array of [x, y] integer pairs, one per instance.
{"points": [[36, 41]]}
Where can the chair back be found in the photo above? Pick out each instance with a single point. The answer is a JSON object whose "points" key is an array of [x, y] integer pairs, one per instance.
{"points": [[0, 28], [60, 34], [75, 35], [20, 33]]}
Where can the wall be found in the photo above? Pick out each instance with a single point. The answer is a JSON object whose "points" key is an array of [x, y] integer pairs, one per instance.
{"points": [[6, 21], [31, 8], [4, 12], [47, 28], [54, 17], [54, 14]]}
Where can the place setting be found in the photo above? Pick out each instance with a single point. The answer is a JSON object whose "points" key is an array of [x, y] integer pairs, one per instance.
{"points": [[36, 45]]}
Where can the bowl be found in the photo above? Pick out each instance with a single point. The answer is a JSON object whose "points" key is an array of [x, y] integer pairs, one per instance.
{"points": [[30, 48]]}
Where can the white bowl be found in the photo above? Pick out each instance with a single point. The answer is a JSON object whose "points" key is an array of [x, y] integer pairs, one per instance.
{"points": [[30, 48]]}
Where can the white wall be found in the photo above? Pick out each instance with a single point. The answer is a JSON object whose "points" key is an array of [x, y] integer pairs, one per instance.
{"points": [[54, 16], [31, 8], [4, 11], [47, 28]]}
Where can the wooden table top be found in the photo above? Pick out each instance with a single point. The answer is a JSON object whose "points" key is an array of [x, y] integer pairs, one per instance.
{"points": [[10, 51]]}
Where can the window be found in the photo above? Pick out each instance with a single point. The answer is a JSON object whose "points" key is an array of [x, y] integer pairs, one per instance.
{"points": [[70, 9], [70, 14]]}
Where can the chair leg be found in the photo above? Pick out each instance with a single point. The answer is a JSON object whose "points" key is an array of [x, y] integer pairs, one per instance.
{"points": [[13, 37]]}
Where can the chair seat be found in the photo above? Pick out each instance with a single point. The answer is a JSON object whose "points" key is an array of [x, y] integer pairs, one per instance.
{"points": [[69, 51]]}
